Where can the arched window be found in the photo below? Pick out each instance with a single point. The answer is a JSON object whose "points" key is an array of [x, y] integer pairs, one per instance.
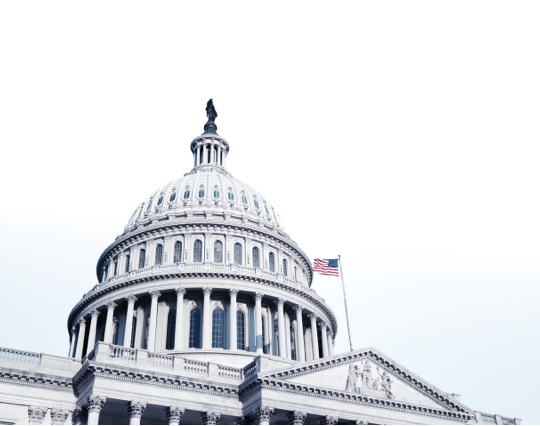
{"points": [[285, 272], [293, 343], [272, 262], [149, 206], [197, 251], [159, 254], [218, 252], [230, 195], [217, 328], [177, 252], [256, 204], [201, 192], [105, 273], [142, 255], [255, 255], [195, 328], [216, 192], [128, 260], [240, 330], [171, 329], [238, 253]]}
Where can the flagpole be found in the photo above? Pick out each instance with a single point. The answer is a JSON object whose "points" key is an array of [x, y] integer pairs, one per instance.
{"points": [[345, 300]]}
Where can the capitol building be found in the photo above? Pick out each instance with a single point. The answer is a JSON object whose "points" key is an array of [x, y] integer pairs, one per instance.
{"points": [[203, 313]]}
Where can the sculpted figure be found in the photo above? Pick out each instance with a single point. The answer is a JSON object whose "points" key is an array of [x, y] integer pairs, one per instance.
{"points": [[351, 379], [366, 376], [386, 384], [210, 110]]}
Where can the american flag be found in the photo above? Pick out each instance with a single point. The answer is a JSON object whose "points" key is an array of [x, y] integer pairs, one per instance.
{"points": [[326, 266]]}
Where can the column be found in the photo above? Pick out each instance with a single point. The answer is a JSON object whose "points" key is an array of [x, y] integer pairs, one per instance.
{"points": [[207, 320], [233, 338], [330, 344], [329, 420], [80, 338], [94, 404], [153, 319], [174, 414], [210, 418], [59, 417], [300, 334], [297, 417], [314, 337], [135, 410], [281, 329], [92, 333], [72, 342], [322, 324], [109, 326], [36, 415], [131, 299], [258, 324], [204, 156], [263, 414], [179, 323]]}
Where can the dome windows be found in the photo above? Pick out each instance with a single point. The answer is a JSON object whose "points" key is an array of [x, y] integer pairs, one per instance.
{"points": [[238, 253], [149, 206], [216, 193], [177, 252], [285, 267], [256, 203], [230, 195], [142, 258], [159, 254], [172, 197], [218, 252], [244, 199], [201, 192], [255, 255], [197, 251], [272, 262], [160, 200], [187, 193]]}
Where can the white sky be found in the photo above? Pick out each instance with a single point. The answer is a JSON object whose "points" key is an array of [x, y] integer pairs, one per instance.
{"points": [[401, 135]]}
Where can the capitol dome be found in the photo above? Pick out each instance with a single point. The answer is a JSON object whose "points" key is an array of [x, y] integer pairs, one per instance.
{"points": [[204, 265]]}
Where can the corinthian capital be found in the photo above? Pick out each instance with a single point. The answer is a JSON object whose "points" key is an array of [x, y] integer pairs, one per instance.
{"points": [[263, 413], [329, 420], [180, 291], [207, 291], [233, 292], [298, 308], [136, 409], [82, 321], [155, 294], [297, 417], [312, 316], [210, 418], [36, 414], [131, 298], [95, 313], [111, 305], [174, 414], [59, 417], [95, 403]]}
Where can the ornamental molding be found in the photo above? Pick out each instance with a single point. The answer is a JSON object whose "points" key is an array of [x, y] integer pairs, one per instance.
{"points": [[136, 236], [350, 398], [59, 417], [167, 275], [36, 414], [152, 378], [39, 380], [373, 356]]}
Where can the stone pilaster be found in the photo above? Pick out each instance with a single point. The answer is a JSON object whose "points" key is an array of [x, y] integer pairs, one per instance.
{"points": [[297, 417], [210, 418], [135, 410], [151, 344], [174, 415], [94, 405], [36, 415], [179, 323], [59, 417], [263, 414]]}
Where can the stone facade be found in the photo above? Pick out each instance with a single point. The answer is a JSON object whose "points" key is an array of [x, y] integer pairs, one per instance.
{"points": [[204, 314]]}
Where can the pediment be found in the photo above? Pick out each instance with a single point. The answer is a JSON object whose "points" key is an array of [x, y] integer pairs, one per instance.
{"points": [[368, 373]]}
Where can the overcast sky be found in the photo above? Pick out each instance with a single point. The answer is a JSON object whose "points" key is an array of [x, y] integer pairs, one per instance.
{"points": [[400, 135]]}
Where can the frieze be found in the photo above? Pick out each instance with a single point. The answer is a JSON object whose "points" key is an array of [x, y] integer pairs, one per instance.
{"points": [[49, 382]]}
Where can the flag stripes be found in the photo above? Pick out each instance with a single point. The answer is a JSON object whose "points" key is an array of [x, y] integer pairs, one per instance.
{"points": [[326, 267]]}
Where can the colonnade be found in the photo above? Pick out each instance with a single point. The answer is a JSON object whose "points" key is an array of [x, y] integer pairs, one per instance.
{"points": [[210, 153], [281, 317]]}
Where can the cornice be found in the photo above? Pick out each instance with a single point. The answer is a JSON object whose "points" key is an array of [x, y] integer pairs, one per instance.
{"points": [[147, 377], [297, 389], [26, 378], [222, 275], [403, 374]]}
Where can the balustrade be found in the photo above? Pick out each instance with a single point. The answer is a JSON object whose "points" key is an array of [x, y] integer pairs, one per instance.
{"points": [[22, 357]]}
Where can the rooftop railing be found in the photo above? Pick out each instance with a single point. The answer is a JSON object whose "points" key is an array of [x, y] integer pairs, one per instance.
{"points": [[22, 357]]}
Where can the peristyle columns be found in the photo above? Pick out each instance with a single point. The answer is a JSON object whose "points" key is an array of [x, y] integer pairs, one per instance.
{"points": [[314, 337], [174, 415], [131, 299], [94, 405], [207, 320], [135, 410], [300, 334], [92, 333], [258, 323], [233, 341], [178, 337], [281, 329], [153, 321], [324, 339], [80, 338], [109, 324]]}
